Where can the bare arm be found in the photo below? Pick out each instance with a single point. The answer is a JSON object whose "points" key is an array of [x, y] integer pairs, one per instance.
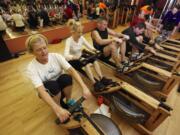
{"points": [[67, 54], [88, 45], [115, 34], [61, 113], [76, 76], [150, 27], [46, 97], [174, 30], [112, 33], [99, 40]]}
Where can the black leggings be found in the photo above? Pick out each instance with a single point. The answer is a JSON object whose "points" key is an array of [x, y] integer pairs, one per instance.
{"points": [[77, 65], [54, 87]]}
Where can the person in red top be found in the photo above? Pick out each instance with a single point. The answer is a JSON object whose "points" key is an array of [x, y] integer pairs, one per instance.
{"points": [[68, 12], [52, 13], [142, 18], [138, 19]]}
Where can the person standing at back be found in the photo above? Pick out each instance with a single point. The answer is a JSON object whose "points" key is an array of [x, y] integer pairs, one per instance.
{"points": [[171, 21], [19, 21]]}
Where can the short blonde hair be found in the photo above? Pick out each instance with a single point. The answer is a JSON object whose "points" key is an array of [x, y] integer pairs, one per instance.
{"points": [[31, 40], [74, 25]]}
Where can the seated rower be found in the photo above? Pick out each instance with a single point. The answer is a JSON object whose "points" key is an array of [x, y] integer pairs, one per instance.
{"points": [[47, 73], [73, 53], [110, 46], [134, 44], [148, 34]]}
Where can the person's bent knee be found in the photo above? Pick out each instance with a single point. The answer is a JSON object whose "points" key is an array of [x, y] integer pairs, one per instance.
{"points": [[95, 62], [67, 79], [88, 65], [123, 43], [113, 48], [139, 38]]}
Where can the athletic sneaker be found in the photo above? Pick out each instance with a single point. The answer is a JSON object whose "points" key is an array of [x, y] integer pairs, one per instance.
{"points": [[136, 56], [71, 102], [122, 68], [99, 87], [106, 81], [141, 55], [68, 104], [127, 63]]}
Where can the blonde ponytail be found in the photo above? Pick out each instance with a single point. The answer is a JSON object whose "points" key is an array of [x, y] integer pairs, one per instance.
{"points": [[71, 22], [74, 25]]}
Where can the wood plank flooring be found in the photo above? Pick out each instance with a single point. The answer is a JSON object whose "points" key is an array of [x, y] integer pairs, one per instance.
{"points": [[22, 112]]}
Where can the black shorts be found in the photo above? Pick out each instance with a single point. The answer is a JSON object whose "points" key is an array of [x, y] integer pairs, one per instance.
{"points": [[101, 49], [54, 87], [78, 65], [88, 58]]}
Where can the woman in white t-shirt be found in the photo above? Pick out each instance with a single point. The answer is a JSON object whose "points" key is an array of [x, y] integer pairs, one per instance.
{"points": [[47, 72], [73, 53], [19, 21]]}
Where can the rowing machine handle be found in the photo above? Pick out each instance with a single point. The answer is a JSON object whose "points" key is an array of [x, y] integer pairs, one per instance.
{"points": [[57, 121], [76, 105], [71, 110]]}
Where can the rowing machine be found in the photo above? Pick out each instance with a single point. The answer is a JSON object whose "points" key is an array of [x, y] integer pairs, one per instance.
{"points": [[83, 124], [133, 106], [139, 109], [151, 79]]}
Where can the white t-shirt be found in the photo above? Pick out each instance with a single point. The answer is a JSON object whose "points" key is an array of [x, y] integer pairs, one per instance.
{"points": [[74, 48], [18, 19], [39, 73]]}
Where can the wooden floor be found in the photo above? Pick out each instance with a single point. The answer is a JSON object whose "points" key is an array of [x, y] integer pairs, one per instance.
{"points": [[23, 113]]}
